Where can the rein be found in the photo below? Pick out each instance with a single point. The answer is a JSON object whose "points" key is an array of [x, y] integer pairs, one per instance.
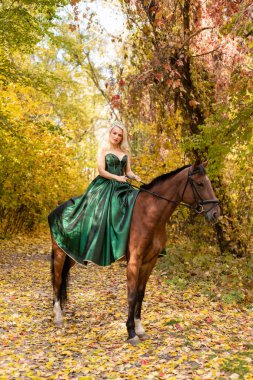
{"points": [[199, 209]]}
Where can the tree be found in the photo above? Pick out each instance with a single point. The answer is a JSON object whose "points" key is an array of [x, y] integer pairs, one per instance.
{"points": [[47, 135], [186, 60], [23, 24]]}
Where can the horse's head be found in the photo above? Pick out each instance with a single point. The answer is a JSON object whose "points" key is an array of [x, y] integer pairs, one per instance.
{"points": [[198, 193]]}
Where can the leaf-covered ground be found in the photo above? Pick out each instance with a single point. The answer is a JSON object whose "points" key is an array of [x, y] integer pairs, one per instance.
{"points": [[190, 336]]}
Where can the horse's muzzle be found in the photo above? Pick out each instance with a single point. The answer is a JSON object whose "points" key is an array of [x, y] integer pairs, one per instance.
{"points": [[212, 215]]}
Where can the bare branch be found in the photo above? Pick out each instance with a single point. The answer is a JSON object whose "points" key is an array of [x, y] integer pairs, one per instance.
{"points": [[208, 52], [195, 34], [95, 80]]}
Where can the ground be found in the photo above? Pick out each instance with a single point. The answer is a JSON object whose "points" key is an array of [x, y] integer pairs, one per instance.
{"points": [[191, 337]]}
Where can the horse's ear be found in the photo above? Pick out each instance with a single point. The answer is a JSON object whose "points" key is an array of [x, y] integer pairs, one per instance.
{"points": [[197, 163], [205, 163]]}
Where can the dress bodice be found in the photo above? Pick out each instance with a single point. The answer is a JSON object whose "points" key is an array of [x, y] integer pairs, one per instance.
{"points": [[114, 165]]}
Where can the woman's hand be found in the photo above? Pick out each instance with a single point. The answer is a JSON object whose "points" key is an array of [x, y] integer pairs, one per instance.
{"points": [[137, 178], [121, 178]]}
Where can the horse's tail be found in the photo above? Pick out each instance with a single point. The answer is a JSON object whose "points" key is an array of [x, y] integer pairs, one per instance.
{"points": [[52, 266], [62, 294]]}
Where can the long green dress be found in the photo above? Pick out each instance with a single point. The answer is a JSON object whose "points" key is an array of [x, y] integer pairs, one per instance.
{"points": [[95, 226]]}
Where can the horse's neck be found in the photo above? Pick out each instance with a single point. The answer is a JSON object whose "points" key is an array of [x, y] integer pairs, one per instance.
{"points": [[170, 189]]}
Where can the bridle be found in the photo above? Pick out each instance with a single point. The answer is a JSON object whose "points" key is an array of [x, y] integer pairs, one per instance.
{"points": [[199, 202], [199, 208]]}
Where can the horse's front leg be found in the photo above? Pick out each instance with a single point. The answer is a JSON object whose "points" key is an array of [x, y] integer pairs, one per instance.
{"points": [[132, 295], [145, 271], [137, 318]]}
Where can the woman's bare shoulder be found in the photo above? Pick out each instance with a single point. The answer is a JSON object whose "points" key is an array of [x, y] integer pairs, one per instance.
{"points": [[102, 151]]}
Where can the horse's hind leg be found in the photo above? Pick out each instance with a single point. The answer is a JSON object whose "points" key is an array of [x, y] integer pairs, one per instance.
{"points": [[61, 264], [58, 258]]}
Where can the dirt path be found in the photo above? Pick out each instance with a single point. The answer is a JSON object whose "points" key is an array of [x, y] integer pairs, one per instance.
{"points": [[191, 337]]}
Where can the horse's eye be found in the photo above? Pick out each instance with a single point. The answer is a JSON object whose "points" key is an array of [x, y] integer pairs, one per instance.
{"points": [[200, 184]]}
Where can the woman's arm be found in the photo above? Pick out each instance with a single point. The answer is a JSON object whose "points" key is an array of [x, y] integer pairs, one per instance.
{"points": [[104, 173], [129, 172]]}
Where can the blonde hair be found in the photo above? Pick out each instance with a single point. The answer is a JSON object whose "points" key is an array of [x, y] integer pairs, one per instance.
{"points": [[124, 145]]}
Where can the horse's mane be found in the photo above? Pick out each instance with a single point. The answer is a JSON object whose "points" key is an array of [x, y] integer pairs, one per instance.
{"points": [[163, 177]]}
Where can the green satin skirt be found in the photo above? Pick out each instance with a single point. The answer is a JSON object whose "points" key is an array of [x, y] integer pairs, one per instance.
{"points": [[95, 226]]}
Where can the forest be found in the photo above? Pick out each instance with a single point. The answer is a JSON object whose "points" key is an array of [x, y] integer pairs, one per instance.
{"points": [[180, 78], [179, 75]]}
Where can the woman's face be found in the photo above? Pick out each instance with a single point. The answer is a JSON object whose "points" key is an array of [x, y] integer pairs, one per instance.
{"points": [[116, 136]]}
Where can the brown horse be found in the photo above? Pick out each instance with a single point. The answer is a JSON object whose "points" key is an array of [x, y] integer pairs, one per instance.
{"points": [[188, 186]]}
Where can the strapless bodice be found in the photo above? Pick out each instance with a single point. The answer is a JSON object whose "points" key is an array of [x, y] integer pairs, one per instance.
{"points": [[114, 165]]}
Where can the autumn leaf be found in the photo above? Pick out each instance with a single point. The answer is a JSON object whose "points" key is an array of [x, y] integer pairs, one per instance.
{"points": [[92, 341], [193, 103], [72, 27]]}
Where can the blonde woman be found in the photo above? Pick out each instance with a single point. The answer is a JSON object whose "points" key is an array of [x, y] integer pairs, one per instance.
{"points": [[95, 226]]}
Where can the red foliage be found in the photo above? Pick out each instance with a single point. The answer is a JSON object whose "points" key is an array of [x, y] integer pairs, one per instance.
{"points": [[74, 2], [122, 83], [116, 97], [72, 27]]}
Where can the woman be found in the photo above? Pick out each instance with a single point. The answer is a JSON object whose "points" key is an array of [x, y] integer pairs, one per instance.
{"points": [[95, 226]]}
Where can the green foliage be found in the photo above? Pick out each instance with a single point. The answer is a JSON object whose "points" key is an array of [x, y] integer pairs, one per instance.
{"points": [[238, 366], [227, 131], [47, 109], [24, 23], [227, 135], [196, 261]]}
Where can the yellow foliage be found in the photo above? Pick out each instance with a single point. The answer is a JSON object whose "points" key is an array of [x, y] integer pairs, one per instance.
{"points": [[155, 154], [39, 165]]}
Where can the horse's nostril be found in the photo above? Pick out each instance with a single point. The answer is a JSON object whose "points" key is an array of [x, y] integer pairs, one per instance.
{"points": [[215, 216]]}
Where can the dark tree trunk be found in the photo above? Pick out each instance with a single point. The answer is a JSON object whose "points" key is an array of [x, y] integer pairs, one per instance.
{"points": [[193, 113]]}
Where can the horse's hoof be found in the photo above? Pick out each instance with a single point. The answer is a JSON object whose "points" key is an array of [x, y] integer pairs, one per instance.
{"points": [[134, 341], [58, 322], [144, 336]]}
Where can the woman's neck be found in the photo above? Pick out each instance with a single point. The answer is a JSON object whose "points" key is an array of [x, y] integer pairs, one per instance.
{"points": [[115, 147]]}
